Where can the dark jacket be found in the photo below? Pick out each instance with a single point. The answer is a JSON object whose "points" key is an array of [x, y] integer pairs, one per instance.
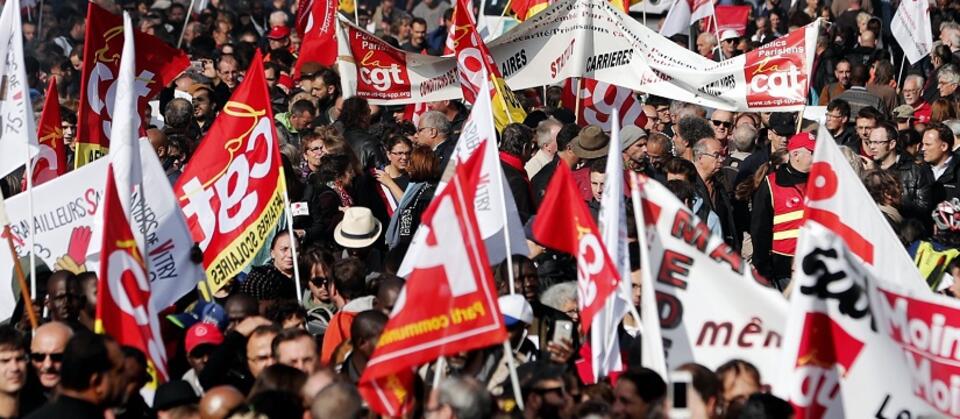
{"points": [[521, 188], [444, 150], [917, 182], [408, 216], [227, 365], [948, 185], [323, 204], [541, 180], [772, 266], [367, 149], [848, 137], [68, 407], [720, 203]]}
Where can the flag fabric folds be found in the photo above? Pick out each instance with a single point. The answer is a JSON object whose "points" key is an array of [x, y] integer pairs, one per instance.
{"points": [[18, 137], [51, 161]]}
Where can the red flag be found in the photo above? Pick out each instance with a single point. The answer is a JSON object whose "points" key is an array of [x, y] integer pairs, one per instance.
{"points": [[599, 99], [320, 37], [390, 395], [52, 159], [231, 193], [524, 9], [449, 304], [157, 66], [123, 301], [730, 18], [565, 225], [304, 17]]}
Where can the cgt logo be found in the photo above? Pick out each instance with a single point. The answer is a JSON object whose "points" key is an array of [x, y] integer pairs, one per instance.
{"points": [[774, 73], [380, 77], [382, 69], [825, 355]]}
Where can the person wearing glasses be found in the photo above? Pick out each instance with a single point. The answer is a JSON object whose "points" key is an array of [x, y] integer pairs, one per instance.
{"points": [[837, 122], [915, 180], [913, 95], [434, 132], [722, 125], [393, 176], [46, 354]]}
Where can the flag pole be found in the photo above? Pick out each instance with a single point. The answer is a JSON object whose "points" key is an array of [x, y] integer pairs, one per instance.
{"points": [[716, 31], [33, 227], [903, 63], [512, 366], [438, 371], [576, 102], [293, 241], [185, 23]]}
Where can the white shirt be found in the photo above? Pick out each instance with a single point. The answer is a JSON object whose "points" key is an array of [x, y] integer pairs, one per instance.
{"points": [[938, 170]]}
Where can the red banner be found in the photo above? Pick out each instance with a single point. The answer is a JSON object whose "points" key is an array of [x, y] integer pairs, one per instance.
{"points": [[567, 226], [123, 301], [52, 159], [304, 17], [452, 273], [599, 99], [231, 193], [730, 18], [381, 67], [775, 72], [319, 35], [157, 66]]}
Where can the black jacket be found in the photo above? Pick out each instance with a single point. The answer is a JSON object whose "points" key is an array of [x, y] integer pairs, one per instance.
{"points": [[444, 150], [227, 365], [772, 266], [522, 191], [917, 182], [367, 149], [722, 205], [323, 215], [948, 185], [848, 137], [68, 407]]}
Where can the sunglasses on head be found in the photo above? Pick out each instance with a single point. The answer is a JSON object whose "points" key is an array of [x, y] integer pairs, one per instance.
{"points": [[40, 357]]}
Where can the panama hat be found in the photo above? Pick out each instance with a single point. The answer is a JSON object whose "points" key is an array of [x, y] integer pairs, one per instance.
{"points": [[358, 229]]}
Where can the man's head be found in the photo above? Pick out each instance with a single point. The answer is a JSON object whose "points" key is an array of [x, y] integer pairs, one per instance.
{"points": [[883, 142], [633, 144], [433, 130], [47, 351], [387, 294], [546, 135], [739, 378], [281, 252], [859, 74], [744, 138], [135, 371], [302, 113], [325, 86], [937, 144], [238, 308], [722, 124], [218, 402], [598, 177], [801, 147], [565, 141], [842, 72], [418, 32], [337, 400], [659, 149], [179, 113], [545, 392], [689, 130], [13, 361], [947, 80], [260, 348], [365, 332], [517, 140], [706, 43], [227, 70], [913, 89], [459, 397], [637, 391], [93, 369], [203, 105], [296, 348], [63, 296], [867, 120], [838, 114], [278, 37], [201, 340], [708, 157]]}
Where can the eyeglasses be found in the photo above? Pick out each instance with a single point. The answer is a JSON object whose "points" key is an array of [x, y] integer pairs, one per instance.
{"points": [[911, 91], [423, 128], [318, 281], [314, 149], [724, 124], [40, 357], [714, 155], [400, 153]]}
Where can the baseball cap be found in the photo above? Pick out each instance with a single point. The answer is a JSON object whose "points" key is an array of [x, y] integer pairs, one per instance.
{"points": [[802, 140], [783, 123], [515, 308], [202, 334], [278, 32], [903, 111], [629, 135]]}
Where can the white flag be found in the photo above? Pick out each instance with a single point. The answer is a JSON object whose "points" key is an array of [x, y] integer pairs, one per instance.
{"points": [[18, 130], [125, 134], [683, 14], [911, 28], [604, 341]]}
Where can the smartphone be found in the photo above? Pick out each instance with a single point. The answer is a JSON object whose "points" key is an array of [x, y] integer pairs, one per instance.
{"points": [[562, 330], [680, 382]]}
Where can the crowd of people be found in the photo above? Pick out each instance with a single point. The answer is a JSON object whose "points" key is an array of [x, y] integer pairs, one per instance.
{"points": [[361, 175]]}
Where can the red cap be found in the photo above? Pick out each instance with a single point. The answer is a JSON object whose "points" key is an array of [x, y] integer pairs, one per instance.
{"points": [[202, 334], [278, 32], [802, 140]]}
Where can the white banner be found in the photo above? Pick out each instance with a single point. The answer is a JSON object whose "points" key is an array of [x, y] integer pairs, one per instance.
{"points": [[18, 130], [911, 28], [65, 220], [713, 305], [589, 38]]}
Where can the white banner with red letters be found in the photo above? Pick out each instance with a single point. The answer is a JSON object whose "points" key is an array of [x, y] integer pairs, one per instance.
{"points": [[598, 100], [713, 305], [589, 38]]}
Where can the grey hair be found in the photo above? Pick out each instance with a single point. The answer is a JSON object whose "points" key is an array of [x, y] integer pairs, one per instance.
{"points": [[948, 73], [685, 109], [744, 138], [544, 134], [854, 159], [558, 295], [915, 77], [435, 119], [466, 396], [278, 18], [337, 400], [700, 147]]}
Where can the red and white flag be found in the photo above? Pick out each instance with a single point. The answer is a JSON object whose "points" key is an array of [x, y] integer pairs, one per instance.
{"points": [[51, 161], [231, 193], [304, 19], [683, 14], [564, 224], [451, 271], [18, 137], [853, 298], [319, 42], [911, 28], [598, 100]]}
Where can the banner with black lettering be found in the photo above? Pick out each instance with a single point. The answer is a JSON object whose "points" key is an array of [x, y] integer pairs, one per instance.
{"points": [[713, 305]]}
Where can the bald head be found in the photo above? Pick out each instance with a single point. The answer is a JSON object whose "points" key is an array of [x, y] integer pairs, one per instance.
{"points": [[49, 341], [317, 382], [219, 401], [339, 400], [158, 140]]}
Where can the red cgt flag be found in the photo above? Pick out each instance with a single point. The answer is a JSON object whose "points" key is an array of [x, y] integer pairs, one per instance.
{"points": [[449, 303], [599, 99], [231, 193], [566, 225], [52, 158], [157, 66], [123, 301], [319, 43]]}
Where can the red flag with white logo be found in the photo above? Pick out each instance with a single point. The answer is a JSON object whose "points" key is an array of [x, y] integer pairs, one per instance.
{"points": [[52, 159], [231, 192], [156, 67], [564, 224], [599, 99], [451, 272], [123, 301], [319, 43]]}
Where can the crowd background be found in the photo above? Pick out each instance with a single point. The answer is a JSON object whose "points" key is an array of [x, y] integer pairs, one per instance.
{"points": [[365, 174]]}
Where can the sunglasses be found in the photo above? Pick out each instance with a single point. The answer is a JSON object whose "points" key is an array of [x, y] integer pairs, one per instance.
{"points": [[40, 357], [318, 281], [724, 124]]}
